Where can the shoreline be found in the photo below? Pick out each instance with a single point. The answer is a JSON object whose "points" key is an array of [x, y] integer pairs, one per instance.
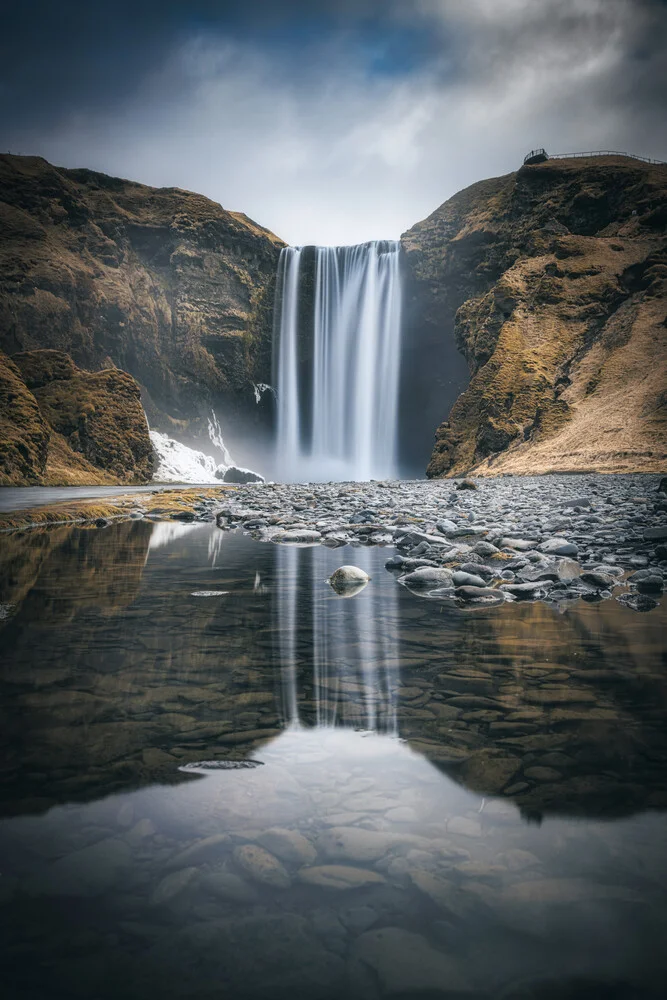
{"points": [[557, 539]]}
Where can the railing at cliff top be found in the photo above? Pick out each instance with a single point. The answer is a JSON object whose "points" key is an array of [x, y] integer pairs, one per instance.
{"points": [[594, 152]]}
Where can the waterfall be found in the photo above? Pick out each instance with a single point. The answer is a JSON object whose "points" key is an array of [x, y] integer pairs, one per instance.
{"points": [[287, 287], [337, 412]]}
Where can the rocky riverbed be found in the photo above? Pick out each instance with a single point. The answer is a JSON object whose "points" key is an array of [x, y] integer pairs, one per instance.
{"points": [[556, 538], [220, 776], [477, 542]]}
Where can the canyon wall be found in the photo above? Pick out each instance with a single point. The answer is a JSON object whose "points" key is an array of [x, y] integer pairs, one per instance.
{"points": [[162, 283], [534, 322], [552, 282]]}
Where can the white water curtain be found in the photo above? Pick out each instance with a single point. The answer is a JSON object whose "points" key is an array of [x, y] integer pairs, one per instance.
{"points": [[352, 423]]}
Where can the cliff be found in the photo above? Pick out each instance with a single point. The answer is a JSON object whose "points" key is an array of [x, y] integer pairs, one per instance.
{"points": [[553, 283], [161, 283], [63, 426]]}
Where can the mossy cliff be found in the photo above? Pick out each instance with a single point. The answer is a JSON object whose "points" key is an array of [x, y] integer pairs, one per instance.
{"points": [[63, 426], [553, 282], [162, 283]]}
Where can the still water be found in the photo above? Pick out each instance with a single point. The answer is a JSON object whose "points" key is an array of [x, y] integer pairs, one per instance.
{"points": [[219, 779]]}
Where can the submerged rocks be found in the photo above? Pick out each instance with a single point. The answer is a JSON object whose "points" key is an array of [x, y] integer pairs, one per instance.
{"points": [[339, 877], [262, 866], [407, 965], [288, 845], [479, 595]]}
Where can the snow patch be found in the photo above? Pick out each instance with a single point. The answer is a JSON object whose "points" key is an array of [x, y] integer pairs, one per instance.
{"points": [[179, 464]]}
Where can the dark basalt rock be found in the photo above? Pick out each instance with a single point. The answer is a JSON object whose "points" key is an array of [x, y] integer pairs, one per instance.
{"points": [[235, 475]]}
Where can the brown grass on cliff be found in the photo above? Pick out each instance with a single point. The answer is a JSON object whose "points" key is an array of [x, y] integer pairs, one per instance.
{"points": [[24, 434], [63, 426], [556, 290], [160, 282]]}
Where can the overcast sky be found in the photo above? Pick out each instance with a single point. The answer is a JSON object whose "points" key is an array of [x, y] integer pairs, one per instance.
{"points": [[329, 122]]}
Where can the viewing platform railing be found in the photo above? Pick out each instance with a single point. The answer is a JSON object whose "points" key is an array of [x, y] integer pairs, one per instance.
{"points": [[534, 153]]}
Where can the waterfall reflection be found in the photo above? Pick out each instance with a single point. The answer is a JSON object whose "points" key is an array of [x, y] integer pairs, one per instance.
{"points": [[338, 656]]}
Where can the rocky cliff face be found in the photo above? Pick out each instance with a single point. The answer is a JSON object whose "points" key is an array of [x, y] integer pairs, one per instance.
{"points": [[553, 282], [162, 283], [63, 426]]}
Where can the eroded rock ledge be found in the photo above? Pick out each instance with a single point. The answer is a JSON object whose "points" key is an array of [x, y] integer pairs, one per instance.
{"points": [[60, 425]]}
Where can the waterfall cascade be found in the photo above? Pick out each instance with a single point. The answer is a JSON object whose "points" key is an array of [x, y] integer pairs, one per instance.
{"points": [[337, 413]]}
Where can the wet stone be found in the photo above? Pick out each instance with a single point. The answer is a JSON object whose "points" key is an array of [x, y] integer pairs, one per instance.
{"points": [[406, 964], [173, 885], [339, 877], [288, 845], [261, 866]]}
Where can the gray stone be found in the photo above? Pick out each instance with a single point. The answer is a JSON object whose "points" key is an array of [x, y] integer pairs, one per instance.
{"points": [[348, 577], [339, 877], [355, 844], [485, 595], [173, 885], [406, 965], [445, 526], [464, 827], [462, 579], [559, 547], [524, 590], [427, 576], [520, 544], [601, 581], [201, 850], [90, 871], [658, 533], [650, 585], [288, 845], [228, 886], [260, 865], [302, 536]]}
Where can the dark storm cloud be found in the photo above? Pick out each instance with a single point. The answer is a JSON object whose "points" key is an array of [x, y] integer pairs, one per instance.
{"points": [[330, 121], [61, 56]]}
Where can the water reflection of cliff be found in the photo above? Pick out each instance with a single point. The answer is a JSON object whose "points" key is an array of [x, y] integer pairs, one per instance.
{"points": [[114, 674], [57, 572]]}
